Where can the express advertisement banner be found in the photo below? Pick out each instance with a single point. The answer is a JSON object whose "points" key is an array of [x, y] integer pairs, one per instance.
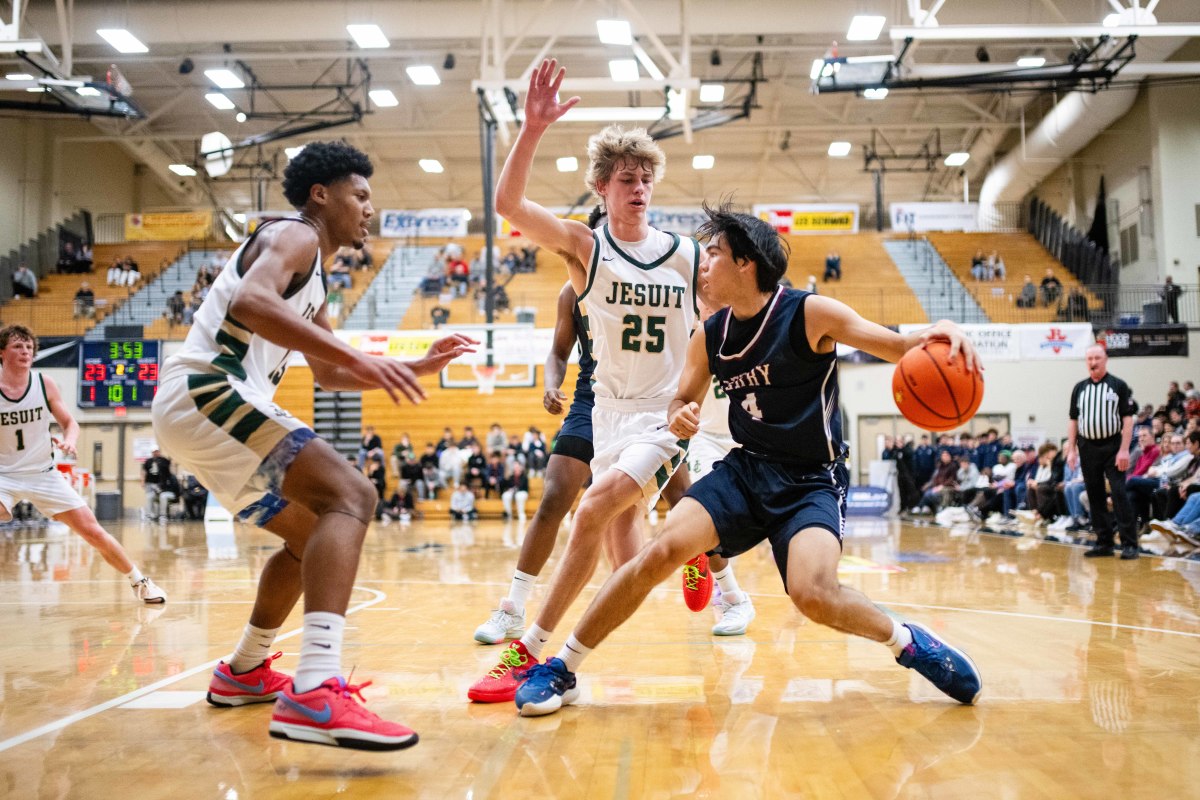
{"points": [[919, 217], [1162, 340], [788, 218], [399, 224]]}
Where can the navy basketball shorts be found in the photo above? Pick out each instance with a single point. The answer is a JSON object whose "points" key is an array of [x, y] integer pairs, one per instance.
{"points": [[751, 498], [574, 439]]}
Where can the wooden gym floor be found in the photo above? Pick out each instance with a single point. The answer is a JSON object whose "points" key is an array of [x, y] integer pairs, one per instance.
{"points": [[1091, 678]]}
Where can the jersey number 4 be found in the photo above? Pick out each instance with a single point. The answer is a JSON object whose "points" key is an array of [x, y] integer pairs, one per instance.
{"points": [[750, 405], [655, 335]]}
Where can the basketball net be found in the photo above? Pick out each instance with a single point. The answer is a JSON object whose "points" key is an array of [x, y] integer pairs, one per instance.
{"points": [[486, 376]]}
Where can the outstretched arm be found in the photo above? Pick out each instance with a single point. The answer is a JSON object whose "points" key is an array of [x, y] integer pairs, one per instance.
{"points": [[567, 237]]}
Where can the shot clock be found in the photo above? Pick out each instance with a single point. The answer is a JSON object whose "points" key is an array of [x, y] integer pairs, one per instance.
{"points": [[118, 374]]}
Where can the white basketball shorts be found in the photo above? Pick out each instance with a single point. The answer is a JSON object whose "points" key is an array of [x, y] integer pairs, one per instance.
{"points": [[631, 436]]}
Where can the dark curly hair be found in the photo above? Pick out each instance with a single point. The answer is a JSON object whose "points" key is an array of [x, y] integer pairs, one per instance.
{"points": [[323, 163], [751, 238]]}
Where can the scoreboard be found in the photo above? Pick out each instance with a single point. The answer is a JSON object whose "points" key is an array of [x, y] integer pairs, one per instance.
{"points": [[118, 374]]}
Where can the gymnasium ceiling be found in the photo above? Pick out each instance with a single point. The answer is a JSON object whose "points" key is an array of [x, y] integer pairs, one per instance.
{"points": [[777, 154]]}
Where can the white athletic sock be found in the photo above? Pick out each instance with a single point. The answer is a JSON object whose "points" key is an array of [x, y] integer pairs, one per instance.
{"points": [[253, 649], [522, 585], [134, 576], [901, 638], [535, 639], [573, 653], [730, 591], [320, 650]]}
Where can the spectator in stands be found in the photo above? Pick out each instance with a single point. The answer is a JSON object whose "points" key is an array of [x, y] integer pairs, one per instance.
{"points": [[116, 273], [1028, 296], [339, 273], [534, 449], [515, 487], [496, 438], [367, 443], [363, 258], [450, 465], [812, 284], [130, 275], [462, 504], [1170, 296], [942, 485], [155, 480], [1076, 309], [1041, 488], [967, 478], [458, 272], [24, 282], [430, 476], [333, 303], [924, 460], [494, 475], [69, 261], [833, 266], [468, 441], [403, 449], [476, 467], [996, 264], [980, 269], [377, 475], [1145, 455], [401, 505], [175, 307], [1170, 471], [1176, 399], [195, 498], [1051, 288], [85, 301]]}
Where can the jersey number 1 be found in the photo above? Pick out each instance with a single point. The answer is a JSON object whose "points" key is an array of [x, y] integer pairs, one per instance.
{"points": [[20, 440]]}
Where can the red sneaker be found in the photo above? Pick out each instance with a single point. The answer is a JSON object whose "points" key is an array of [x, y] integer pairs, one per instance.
{"points": [[697, 583], [259, 685], [330, 715], [500, 685]]}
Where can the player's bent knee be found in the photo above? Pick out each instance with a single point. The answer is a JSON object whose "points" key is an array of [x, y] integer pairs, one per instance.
{"points": [[814, 602], [658, 560]]}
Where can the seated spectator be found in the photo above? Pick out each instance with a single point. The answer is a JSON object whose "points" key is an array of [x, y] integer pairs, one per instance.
{"points": [[476, 469], [195, 498], [462, 504], [25, 283], [364, 258], [431, 477], [401, 505], [980, 271], [833, 266], [129, 274], [377, 474], [450, 465], [175, 307], [401, 451], [515, 487], [534, 448], [116, 273], [967, 479], [85, 301], [333, 303], [996, 263], [339, 272], [496, 438], [1051, 288], [1041, 499], [468, 440], [1169, 472], [66, 259], [410, 472], [195, 300], [942, 486], [494, 475], [458, 272], [448, 438], [1076, 309], [1028, 296]]}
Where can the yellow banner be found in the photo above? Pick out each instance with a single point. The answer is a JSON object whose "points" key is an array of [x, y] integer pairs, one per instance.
{"points": [[168, 227], [394, 344], [823, 221], [809, 218]]}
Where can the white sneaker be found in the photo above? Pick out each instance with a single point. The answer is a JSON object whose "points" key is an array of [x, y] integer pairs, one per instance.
{"points": [[1164, 526], [504, 623], [735, 618], [146, 591], [1026, 515], [1060, 524]]}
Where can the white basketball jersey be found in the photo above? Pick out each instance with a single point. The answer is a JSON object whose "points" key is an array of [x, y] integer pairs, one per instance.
{"points": [[217, 343], [639, 308], [714, 415], [25, 444]]}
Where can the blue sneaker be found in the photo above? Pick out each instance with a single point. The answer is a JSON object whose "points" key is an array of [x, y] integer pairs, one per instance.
{"points": [[946, 667], [546, 688]]}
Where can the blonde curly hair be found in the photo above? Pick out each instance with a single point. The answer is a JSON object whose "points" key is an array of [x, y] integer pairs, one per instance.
{"points": [[613, 146]]}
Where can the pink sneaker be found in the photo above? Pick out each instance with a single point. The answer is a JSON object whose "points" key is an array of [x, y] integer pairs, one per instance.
{"points": [[259, 685], [330, 715]]}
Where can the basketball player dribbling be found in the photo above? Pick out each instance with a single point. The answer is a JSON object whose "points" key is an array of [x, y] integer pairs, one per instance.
{"points": [[28, 401], [773, 351], [214, 414]]}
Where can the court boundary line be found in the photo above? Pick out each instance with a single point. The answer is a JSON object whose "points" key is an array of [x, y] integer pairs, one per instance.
{"points": [[79, 716]]}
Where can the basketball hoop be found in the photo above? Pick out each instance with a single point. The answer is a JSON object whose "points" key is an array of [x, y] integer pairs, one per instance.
{"points": [[486, 378]]}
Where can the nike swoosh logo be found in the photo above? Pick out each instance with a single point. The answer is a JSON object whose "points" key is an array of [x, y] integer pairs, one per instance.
{"points": [[326, 646], [320, 717], [246, 687], [602, 258], [323, 627]]}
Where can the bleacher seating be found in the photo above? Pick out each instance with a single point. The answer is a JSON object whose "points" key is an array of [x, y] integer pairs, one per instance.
{"points": [[1022, 255]]}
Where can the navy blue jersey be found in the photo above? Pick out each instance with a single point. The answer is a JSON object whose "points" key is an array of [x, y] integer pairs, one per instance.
{"points": [[783, 397], [587, 364]]}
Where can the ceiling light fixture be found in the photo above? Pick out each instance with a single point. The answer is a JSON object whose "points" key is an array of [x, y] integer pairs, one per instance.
{"points": [[224, 78], [957, 159], [568, 164], [423, 75], [87, 91], [182, 169], [623, 70], [219, 101], [368, 37], [865, 28], [1030, 61], [431, 165], [122, 40], [607, 114], [875, 94], [712, 92], [839, 149], [703, 162], [18, 76], [384, 98], [614, 31], [292, 152]]}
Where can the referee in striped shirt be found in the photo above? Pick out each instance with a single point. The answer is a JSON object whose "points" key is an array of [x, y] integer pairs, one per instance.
{"points": [[1101, 426]]}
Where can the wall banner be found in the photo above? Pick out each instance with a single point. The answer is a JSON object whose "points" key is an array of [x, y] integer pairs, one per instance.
{"points": [[683, 220], [183, 226], [424, 222], [1160, 340], [809, 218], [934, 216], [1052, 342], [997, 342]]}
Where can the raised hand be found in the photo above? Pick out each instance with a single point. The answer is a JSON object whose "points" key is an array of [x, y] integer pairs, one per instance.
{"points": [[442, 352], [390, 375], [542, 108]]}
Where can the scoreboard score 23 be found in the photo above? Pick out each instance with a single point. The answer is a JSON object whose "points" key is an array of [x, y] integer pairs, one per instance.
{"points": [[118, 374]]}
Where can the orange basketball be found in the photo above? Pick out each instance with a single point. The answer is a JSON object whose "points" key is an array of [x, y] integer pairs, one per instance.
{"points": [[931, 392]]}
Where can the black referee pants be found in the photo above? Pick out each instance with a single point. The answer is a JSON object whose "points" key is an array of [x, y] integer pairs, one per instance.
{"points": [[1098, 461]]}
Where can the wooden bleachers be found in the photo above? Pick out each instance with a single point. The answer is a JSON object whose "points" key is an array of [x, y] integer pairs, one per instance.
{"points": [[51, 313], [1022, 255], [870, 283]]}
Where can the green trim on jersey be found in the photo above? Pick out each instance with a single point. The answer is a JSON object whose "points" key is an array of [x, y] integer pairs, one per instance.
{"points": [[591, 269], [234, 340], [662, 476], [696, 278], [670, 252], [45, 396], [217, 400]]}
